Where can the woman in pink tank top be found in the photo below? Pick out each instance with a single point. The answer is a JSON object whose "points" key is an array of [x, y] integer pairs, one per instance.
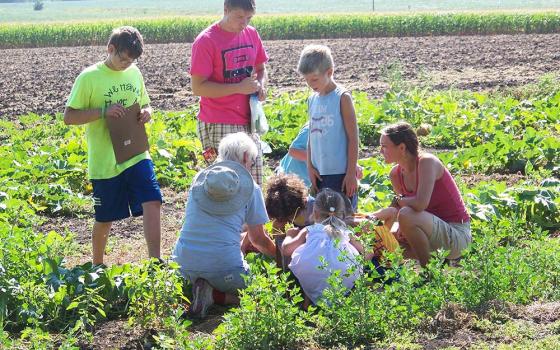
{"points": [[431, 212]]}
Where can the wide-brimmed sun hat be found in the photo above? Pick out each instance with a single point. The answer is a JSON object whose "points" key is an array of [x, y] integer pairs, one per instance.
{"points": [[223, 188]]}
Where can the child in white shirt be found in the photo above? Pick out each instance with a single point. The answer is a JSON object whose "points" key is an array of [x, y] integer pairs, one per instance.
{"points": [[316, 249]]}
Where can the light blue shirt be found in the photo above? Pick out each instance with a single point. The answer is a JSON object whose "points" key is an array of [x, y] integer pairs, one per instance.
{"points": [[290, 165], [211, 243], [327, 135]]}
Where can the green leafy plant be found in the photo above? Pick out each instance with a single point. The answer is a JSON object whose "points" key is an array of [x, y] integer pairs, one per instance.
{"points": [[268, 316], [282, 27], [155, 294], [88, 305]]}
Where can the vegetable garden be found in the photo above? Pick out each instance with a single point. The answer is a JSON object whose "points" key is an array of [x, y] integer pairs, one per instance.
{"points": [[502, 146]]}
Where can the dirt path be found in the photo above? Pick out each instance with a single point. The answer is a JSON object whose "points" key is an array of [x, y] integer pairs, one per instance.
{"points": [[496, 325], [126, 240], [39, 80]]}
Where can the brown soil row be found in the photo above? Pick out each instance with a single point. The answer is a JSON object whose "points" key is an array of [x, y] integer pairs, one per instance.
{"points": [[39, 80]]}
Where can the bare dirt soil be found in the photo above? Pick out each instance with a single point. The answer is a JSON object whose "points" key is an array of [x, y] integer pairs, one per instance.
{"points": [[490, 327], [493, 326], [39, 80]]}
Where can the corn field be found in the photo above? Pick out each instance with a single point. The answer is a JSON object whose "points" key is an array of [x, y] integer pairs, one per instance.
{"points": [[284, 27]]}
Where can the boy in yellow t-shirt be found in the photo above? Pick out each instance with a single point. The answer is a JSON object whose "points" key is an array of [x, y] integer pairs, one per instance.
{"points": [[105, 90]]}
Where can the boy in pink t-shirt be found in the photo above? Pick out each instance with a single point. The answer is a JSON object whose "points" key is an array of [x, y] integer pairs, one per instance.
{"points": [[227, 66]]}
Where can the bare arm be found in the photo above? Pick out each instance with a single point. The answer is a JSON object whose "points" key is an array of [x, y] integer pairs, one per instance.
{"points": [[262, 78], [428, 169], [350, 183], [291, 243], [311, 171], [299, 154], [359, 247], [261, 240], [79, 117], [201, 86]]}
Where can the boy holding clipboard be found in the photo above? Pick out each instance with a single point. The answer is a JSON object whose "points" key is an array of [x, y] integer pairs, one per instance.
{"points": [[109, 97]]}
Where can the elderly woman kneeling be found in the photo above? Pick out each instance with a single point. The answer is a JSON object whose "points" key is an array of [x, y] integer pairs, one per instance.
{"points": [[222, 198]]}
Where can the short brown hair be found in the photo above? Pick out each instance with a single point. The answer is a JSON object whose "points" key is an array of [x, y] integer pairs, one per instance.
{"points": [[403, 132], [246, 5], [315, 59], [286, 195], [127, 39]]}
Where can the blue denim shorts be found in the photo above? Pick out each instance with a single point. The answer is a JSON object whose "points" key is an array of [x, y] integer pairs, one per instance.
{"points": [[116, 198]]}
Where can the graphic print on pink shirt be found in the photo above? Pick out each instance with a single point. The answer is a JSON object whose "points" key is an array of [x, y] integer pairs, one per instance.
{"points": [[234, 61]]}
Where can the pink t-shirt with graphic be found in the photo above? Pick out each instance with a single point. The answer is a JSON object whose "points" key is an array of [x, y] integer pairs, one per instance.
{"points": [[225, 57]]}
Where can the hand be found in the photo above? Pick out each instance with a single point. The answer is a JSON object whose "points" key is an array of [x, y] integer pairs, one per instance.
{"points": [[115, 111], [374, 220], [249, 85], [292, 232], [359, 172], [145, 115], [314, 176], [349, 184], [262, 93]]}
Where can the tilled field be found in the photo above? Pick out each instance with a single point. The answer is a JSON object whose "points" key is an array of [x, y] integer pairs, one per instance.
{"points": [[39, 80]]}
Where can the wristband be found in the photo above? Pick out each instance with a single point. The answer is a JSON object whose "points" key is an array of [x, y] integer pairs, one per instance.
{"points": [[395, 201], [399, 197], [103, 111]]}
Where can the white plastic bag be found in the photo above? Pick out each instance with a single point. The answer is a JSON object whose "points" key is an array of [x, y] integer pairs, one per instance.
{"points": [[265, 147], [259, 124]]}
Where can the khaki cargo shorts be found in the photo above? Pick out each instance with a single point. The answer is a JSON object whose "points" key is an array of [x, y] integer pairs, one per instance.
{"points": [[451, 236]]}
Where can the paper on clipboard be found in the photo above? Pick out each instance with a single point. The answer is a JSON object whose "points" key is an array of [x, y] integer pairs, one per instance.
{"points": [[129, 137]]}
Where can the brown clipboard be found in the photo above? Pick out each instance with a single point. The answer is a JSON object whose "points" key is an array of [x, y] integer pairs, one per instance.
{"points": [[129, 137]]}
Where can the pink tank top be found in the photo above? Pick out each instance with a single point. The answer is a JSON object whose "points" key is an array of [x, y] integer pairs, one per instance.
{"points": [[446, 202]]}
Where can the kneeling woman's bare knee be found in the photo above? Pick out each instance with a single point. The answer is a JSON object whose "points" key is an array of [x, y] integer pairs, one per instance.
{"points": [[405, 216]]}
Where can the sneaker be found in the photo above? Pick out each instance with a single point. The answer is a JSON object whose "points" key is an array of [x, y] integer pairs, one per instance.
{"points": [[202, 298]]}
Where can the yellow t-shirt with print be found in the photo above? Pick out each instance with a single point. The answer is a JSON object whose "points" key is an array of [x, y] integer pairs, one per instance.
{"points": [[99, 86]]}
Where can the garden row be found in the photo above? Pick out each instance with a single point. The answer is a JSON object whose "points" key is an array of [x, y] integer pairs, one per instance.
{"points": [[46, 304], [185, 29], [45, 163]]}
